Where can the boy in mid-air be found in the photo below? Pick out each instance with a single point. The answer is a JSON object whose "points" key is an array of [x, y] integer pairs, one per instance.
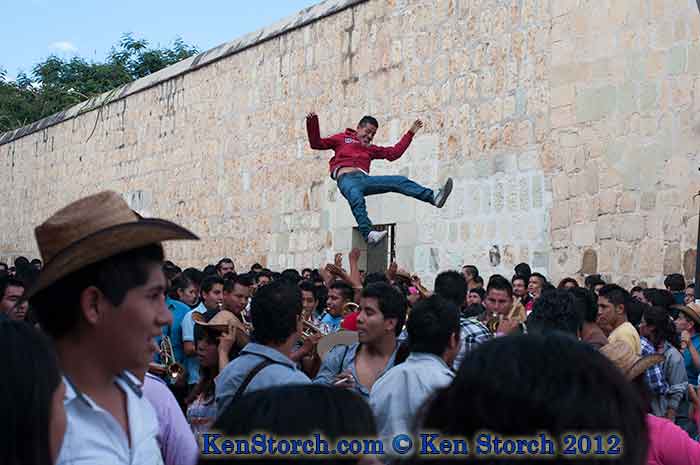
{"points": [[349, 167]]}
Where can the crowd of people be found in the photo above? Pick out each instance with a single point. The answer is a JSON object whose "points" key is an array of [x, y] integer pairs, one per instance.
{"points": [[118, 356]]}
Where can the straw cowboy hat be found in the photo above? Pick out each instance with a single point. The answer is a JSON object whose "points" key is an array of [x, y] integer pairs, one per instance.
{"points": [[219, 322], [92, 229], [691, 311], [631, 364]]}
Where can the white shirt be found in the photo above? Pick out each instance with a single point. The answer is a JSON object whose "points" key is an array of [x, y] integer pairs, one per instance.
{"points": [[94, 437], [396, 397]]}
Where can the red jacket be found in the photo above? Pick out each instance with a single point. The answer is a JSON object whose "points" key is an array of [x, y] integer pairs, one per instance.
{"points": [[349, 151]]}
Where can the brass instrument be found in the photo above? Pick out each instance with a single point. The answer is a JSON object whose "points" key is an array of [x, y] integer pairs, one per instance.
{"points": [[169, 368], [310, 330], [350, 307]]}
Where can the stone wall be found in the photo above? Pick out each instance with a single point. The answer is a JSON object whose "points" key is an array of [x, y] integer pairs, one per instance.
{"points": [[569, 127]]}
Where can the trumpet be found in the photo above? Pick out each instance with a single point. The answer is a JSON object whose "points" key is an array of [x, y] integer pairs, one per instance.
{"points": [[350, 307], [310, 330], [169, 368]]}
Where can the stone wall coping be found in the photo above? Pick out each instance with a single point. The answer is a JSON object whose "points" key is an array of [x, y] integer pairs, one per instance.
{"points": [[302, 18]]}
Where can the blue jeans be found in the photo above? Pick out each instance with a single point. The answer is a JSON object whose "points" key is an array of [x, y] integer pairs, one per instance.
{"points": [[356, 185]]}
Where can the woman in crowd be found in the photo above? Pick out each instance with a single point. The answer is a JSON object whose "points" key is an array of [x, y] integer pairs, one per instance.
{"points": [[214, 350], [659, 329], [668, 444], [513, 401], [298, 411], [33, 417]]}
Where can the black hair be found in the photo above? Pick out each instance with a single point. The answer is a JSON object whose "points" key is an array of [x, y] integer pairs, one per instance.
{"points": [[195, 276], [264, 273], [346, 290], [114, 277], [209, 282], [591, 280], [635, 309], [21, 261], [616, 295], [478, 290], [555, 311], [520, 277], [524, 270], [308, 286], [27, 398], [240, 279], [291, 275], [499, 283], [659, 297], [222, 261], [375, 277], [209, 270], [368, 120], [473, 269], [179, 282], [566, 281], [540, 276], [587, 302], [35, 261], [305, 270], [391, 303], [452, 286], [479, 280], [675, 282], [256, 266], [664, 329], [331, 412], [595, 397], [274, 311], [473, 310], [636, 289], [690, 286], [433, 321], [170, 270]]}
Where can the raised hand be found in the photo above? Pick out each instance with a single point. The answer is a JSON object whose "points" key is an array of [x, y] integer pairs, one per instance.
{"points": [[354, 255], [338, 260], [417, 124]]}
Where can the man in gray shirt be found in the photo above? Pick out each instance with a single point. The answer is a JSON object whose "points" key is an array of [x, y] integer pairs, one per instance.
{"points": [[358, 366], [277, 325]]}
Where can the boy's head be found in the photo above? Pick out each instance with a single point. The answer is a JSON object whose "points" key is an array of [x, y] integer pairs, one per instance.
{"points": [[366, 129]]}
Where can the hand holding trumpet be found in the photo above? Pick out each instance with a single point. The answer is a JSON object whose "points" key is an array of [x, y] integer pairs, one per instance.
{"points": [[344, 380]]}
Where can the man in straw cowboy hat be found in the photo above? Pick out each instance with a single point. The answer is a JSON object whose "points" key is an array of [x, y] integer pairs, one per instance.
{"points": [[101, 299]]}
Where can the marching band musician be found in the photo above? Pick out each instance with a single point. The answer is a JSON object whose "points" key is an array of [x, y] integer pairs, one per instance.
{"points": [[379, 323]]}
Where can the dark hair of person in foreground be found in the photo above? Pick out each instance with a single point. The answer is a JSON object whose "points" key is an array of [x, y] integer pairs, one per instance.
{"points": [[296, 411], [29, 434], [526, 384]]}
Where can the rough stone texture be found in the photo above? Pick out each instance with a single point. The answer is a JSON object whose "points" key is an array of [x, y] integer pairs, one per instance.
{"points": [[570, 128]]}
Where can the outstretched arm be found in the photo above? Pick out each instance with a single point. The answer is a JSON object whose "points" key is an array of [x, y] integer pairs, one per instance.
{"points": [[395, 152], [315, 139]]}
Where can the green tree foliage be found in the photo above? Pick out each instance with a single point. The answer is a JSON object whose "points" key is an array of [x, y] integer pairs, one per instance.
{"points": [[56, 84]]}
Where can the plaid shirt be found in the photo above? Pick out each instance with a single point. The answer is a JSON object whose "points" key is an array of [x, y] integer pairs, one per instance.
{"points": [[472, 333], [655, 375]]}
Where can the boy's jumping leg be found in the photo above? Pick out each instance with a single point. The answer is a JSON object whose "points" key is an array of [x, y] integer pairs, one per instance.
{"points": [[355, 186], [403, 185]]}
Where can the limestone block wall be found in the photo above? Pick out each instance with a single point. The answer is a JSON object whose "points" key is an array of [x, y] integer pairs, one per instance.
{"points": [[569, 127]]}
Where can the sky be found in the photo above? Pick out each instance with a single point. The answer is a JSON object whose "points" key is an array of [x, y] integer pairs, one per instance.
{"points": [[34, 29]]}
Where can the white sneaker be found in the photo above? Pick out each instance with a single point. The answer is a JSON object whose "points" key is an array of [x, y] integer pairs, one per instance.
{"points": [[443, 193], [375, 237]]}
